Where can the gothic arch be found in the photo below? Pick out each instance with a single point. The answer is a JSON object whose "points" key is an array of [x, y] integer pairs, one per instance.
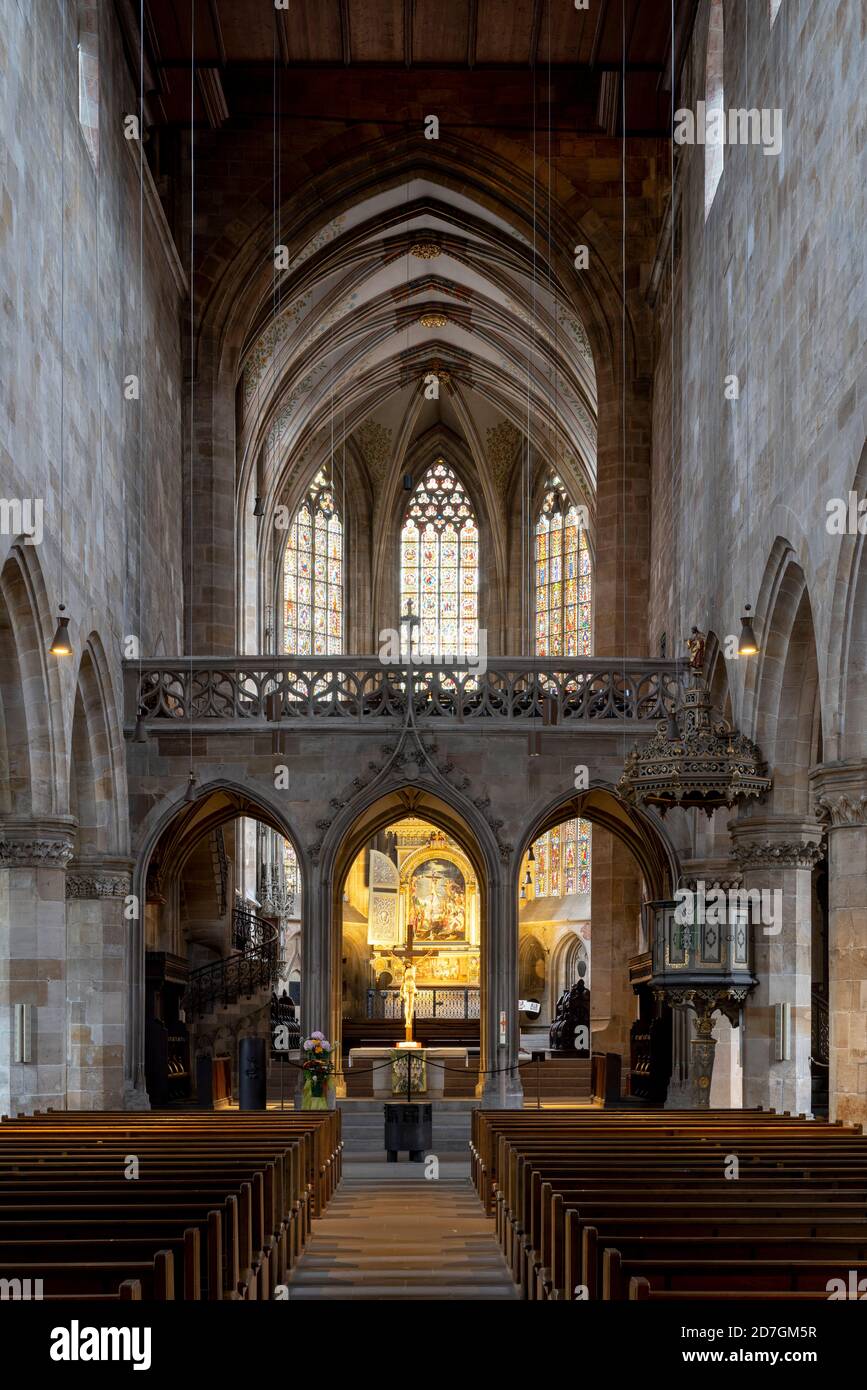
{"points": [[788, 719], [356, 822], [641, 831], [97, 782], [847, 653], [31, 692], [260, 803]]}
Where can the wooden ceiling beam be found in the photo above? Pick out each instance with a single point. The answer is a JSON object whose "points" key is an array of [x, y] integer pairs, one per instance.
{"points": [[536, 30], [597, 36], [472, 33], [407, 32], [282, 21], [345, 36], [217, 30]]}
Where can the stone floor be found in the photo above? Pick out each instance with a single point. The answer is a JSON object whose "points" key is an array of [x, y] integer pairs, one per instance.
{"points": [[390, 1233]]}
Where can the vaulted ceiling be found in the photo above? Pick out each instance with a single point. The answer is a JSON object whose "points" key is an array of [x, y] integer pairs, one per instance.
{"points": [[413, 282]]}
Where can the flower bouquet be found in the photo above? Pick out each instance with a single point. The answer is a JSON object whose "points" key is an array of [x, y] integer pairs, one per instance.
{"points": [[317, 1067]]}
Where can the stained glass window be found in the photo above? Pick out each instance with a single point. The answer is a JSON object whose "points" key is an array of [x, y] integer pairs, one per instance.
{"points": [[563, 628], [313, 579], [562, 578], [439, 565], [563, 860]]}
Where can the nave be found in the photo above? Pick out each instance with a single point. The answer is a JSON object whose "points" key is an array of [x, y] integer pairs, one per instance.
{"points": [[395, 1234], [569, 1205]]}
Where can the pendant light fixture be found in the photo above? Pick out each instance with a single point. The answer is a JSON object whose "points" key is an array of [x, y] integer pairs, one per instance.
{"points": [[258, 506], [141, 731], [747, 646], [61, 645], [190, 793]]}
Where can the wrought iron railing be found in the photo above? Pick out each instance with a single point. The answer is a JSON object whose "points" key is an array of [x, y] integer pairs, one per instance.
{"points": [[304, 691], [283, 1014], [250, 933], [238, 976], [452, 1002]]}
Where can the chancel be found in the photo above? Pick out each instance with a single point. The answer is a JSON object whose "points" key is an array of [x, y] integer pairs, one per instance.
{"points": [[433, 652]]}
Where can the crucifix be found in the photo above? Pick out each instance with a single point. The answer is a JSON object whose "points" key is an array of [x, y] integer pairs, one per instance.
{"points": [[410, 621], [408, 985]]}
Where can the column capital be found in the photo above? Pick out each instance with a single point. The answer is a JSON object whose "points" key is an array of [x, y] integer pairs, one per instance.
{"points": [[48, 843], [102, 878], [776, 843], [840, 794], [713, 873]]}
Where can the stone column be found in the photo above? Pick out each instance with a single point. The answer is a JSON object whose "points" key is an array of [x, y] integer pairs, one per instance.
{"points": [[321, 971], [777, 856], [615, 911], [727, 1084], [841, 804], [33, 860], [96, 943], [501, 1088]]}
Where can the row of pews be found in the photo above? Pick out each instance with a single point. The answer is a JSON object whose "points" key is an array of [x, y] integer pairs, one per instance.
{"points": [[683, 1205], [151, 1206]]}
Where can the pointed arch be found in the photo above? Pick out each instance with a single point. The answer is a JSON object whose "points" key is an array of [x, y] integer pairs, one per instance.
{"points": [[312, 576], [787, 704], [96, 782], [32, 741], [439, 564], [562, 583]]}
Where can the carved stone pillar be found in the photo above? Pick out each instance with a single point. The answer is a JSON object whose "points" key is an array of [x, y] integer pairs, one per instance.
{"points": [[777, 857], [501, 1087], [615, 911], [97, 933], [841, 804], [33, 860]]}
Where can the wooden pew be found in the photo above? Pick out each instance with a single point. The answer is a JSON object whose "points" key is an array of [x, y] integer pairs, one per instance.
{"points": [[229, 1202], [554, 1180]]}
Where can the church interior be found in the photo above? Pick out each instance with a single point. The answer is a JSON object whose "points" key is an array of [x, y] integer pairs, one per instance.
{"points": [[433, 652]]}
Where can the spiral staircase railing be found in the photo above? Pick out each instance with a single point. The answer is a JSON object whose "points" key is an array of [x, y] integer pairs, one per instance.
{"points": [[254, 965]]}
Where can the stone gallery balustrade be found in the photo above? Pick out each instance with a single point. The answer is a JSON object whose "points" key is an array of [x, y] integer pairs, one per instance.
{"points": [[239, 692]]}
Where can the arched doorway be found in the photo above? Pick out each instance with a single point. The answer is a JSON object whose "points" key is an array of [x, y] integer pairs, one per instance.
{"points": [[575, 918], [218, 952], [413, 883]]}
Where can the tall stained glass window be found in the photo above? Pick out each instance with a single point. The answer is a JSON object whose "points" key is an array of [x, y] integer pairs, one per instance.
{"points": [[313, 578], [563, 628], [562, 578], [439, 565]]}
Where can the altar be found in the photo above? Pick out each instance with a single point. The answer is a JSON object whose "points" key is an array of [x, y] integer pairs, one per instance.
{"points": [[434, 1058]]}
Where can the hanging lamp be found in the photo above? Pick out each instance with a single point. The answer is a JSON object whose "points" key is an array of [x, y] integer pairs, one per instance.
{"points": [[747, 646], [60, 643]]}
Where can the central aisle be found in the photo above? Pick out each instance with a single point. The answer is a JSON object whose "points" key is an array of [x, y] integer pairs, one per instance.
{"points": [[389, 1233]]}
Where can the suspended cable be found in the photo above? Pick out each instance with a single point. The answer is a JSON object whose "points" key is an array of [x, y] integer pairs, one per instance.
{"points": [[190, 792], [60, 645]]}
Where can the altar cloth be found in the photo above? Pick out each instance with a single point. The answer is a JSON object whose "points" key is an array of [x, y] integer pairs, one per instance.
{"points": [[381, 1059]]}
